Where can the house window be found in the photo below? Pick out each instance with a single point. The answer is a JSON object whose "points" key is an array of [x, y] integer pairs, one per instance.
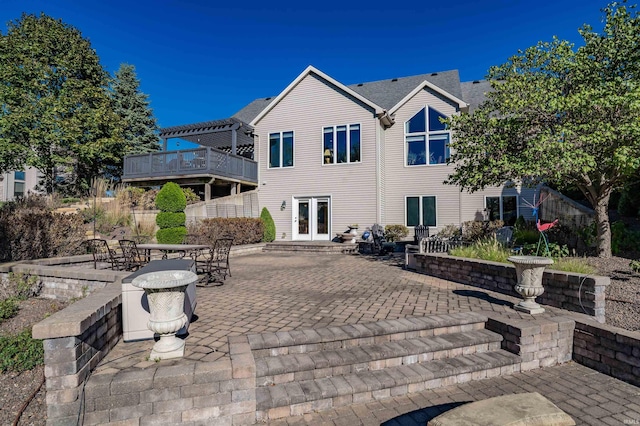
{"points": [[421, 211], [503, 208], [427, 138], [18, 184], [341, 144], [281, 149]]}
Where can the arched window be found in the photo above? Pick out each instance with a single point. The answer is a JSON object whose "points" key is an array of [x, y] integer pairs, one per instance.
{"points": [[427, 138]]}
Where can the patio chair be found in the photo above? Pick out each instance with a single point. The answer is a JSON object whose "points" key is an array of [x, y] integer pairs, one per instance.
{"points": [[133, 260], [420, 232], [215, 262], [102, 253]]}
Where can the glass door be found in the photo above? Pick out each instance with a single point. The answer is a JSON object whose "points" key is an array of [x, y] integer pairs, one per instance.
{"points": [[311, 219]]}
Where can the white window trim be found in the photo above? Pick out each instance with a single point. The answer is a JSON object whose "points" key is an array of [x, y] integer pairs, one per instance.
{"points": [[426, 134], [502, 203], [293, 154], [335, 142], [420, 209]]}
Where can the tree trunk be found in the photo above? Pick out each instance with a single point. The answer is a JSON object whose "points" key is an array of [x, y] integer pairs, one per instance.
{"points": [[603, 226]]}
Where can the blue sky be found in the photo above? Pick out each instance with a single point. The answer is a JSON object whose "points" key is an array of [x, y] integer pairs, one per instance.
{"points": [[201, 61]]}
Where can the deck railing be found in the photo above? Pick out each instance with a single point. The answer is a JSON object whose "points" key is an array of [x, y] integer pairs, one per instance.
{"points": [[190, 162]]}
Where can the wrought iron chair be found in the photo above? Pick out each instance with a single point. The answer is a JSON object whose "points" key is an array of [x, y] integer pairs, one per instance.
{"points": [[133, 260], [102, 253], [215, 262]]}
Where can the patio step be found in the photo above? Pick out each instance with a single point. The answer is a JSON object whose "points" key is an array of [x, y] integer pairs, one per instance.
{"points": [[309, 370], [324, 247]]}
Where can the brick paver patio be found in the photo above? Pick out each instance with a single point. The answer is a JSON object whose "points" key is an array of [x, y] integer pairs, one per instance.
{"points": [[282, 292]]}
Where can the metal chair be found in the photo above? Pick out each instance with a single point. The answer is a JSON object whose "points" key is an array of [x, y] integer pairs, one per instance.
{"points": [[102, 253], [215, 262], [133, 260], [420, 232]]}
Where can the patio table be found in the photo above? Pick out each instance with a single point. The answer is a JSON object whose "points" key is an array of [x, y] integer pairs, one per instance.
{"points": [[182, 249]]}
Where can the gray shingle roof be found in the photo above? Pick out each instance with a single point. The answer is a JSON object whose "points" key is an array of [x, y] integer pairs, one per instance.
{"points": [[385, 93], [474, 92], [252, 110]]}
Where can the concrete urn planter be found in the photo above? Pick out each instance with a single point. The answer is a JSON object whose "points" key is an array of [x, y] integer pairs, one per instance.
{"points": [[165, 291], [529, 271]]}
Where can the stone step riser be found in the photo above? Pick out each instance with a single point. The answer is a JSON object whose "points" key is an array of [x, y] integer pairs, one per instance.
{"points": [[318, 373], [362, 341], [290, 402]]}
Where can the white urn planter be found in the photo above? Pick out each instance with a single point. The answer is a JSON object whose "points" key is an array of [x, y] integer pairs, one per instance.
{"points": [[529, 272], [165, 291]]}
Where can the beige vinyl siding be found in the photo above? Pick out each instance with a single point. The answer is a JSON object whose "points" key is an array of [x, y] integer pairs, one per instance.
{"points": [[306, 110], [402, 181]]}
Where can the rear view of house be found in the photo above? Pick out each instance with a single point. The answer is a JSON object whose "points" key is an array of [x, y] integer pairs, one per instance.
{"points": [[322, 156], [331, 155]]}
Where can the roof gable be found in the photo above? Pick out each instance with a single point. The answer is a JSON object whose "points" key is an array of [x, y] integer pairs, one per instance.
{"points": [[425, 84], [388, 93], [311, 70]]}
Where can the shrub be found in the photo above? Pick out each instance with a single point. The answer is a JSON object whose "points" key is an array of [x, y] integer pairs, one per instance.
{"points": [[148, 201], [20, 352], [394, 233], [31, 231], [450, 231], [171, 220], [20, 286], [130, 196], [171, 198], [190, 196], [485, 249], [243, 230], [171, 235], [269, 226], [8, 309], [520, 223], [70, 200], [526, 236], [635, 266], [476, 230], [623, 239]]}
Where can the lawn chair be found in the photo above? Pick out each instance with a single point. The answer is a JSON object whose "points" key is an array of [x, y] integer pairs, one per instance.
{"points": [[102, 253], [133, 260], [215, 262]]}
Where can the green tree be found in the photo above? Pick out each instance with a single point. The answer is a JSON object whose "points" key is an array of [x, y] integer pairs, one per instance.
{"points": [[171, 202], [140, 126], [55, 112], [560, 114]]}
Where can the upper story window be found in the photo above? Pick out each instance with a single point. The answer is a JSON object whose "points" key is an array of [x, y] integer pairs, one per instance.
{"points": [[281, 149], [427, 138], [341, 144]]}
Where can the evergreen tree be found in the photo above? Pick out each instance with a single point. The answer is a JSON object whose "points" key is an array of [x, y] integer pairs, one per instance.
{"points": [[55, 112], [140, 126]]}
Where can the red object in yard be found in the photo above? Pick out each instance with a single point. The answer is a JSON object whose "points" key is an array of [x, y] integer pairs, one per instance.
{"points": [[546, 226]]}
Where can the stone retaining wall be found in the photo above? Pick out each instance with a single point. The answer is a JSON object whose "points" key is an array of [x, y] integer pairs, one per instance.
{"points": [[610, 350], [75, 340], [565, 290], [540, 342], [64, 278]]}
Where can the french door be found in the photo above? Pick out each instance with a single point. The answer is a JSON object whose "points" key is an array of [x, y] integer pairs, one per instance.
{"points": [[311, 219]]}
